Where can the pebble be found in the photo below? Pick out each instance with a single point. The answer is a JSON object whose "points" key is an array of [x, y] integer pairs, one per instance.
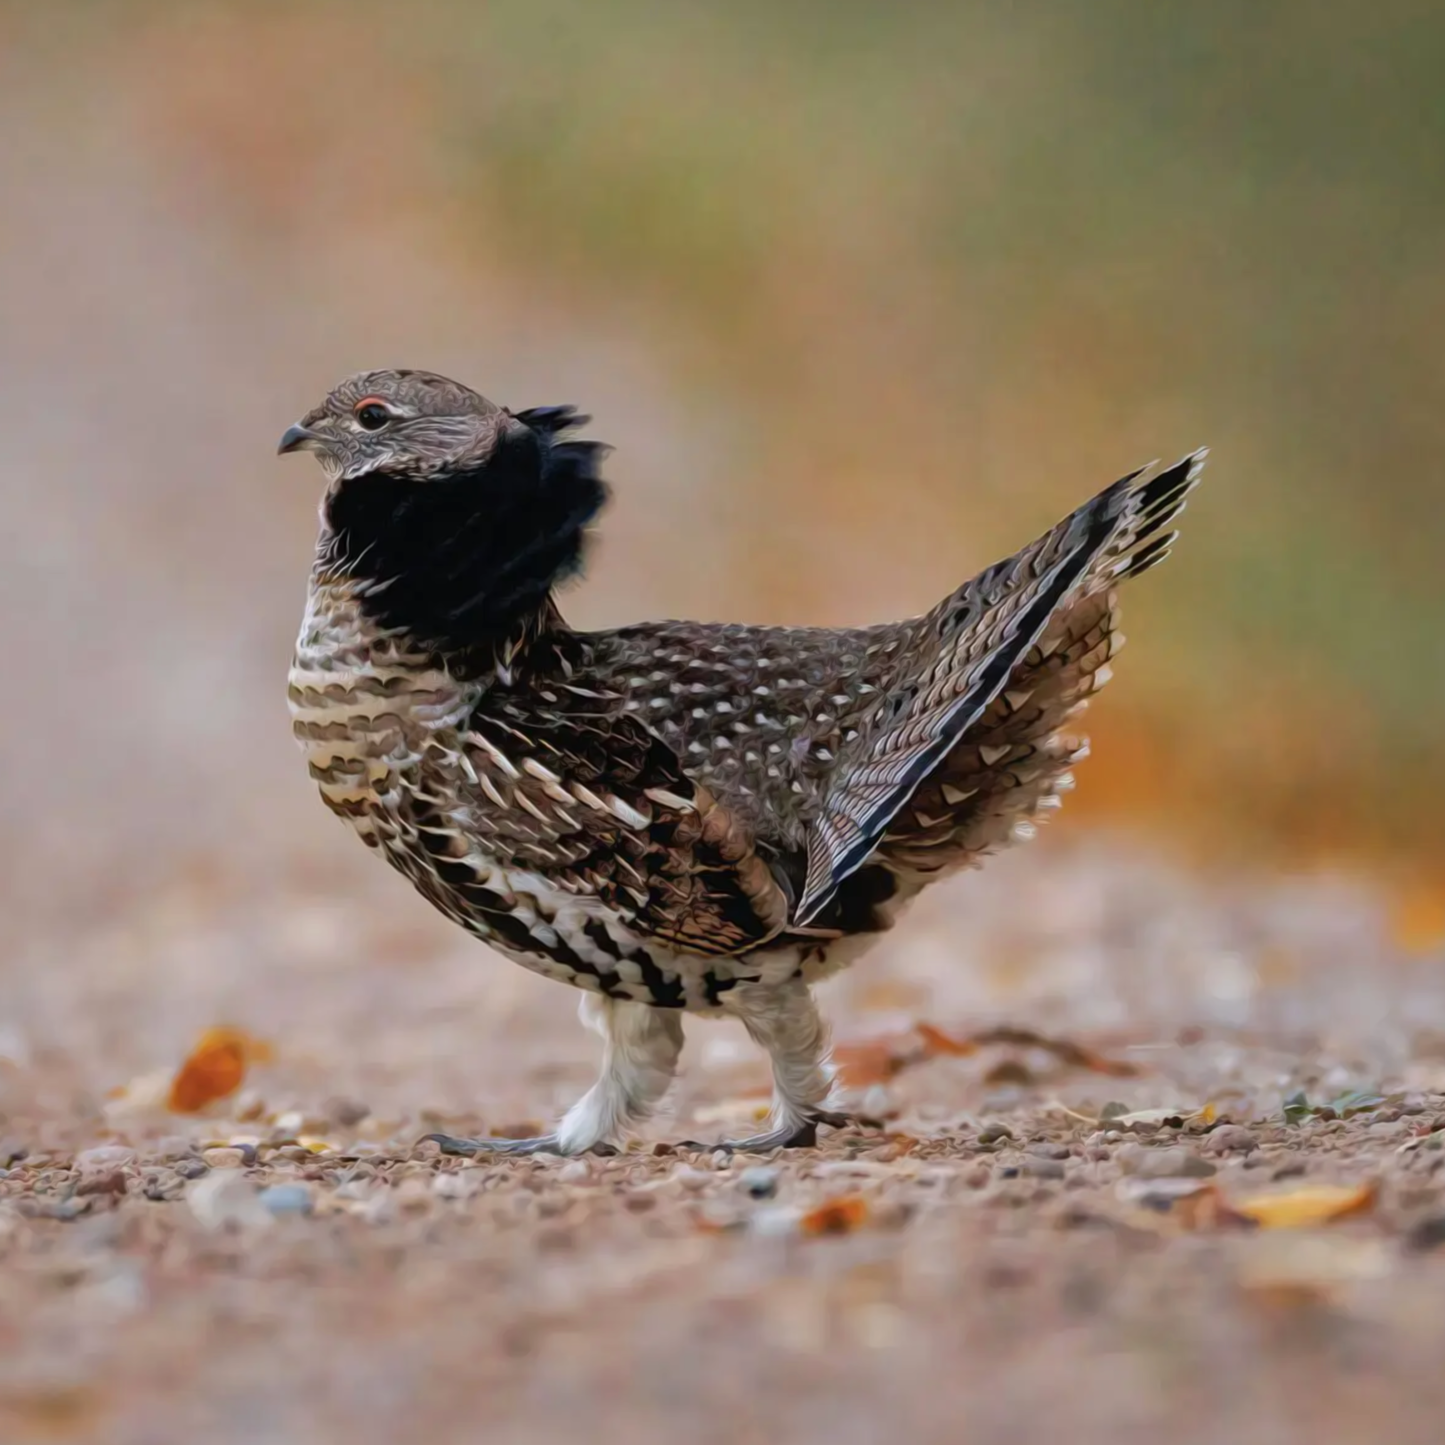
{"points": [[191, 1168], [1427, 1233], [876, 1103], [282, 1199], [759, 1182], [224, 1156], [775, 1223], [574, 1171], [994, 1134], [1230, 1139], [346, 1113], [1038, 1168], [226, 1198], [1389, 1129], [110, 1181], [690, 1178], [104, 1156], [454, 1186], [1175, 1162], [1050, 1151]]}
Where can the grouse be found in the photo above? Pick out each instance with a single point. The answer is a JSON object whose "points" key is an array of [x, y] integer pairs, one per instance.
{"points": [[674, 817]]}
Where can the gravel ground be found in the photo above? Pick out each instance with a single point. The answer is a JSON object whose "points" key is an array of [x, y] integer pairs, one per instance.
{"points": [[1038, 1244]]}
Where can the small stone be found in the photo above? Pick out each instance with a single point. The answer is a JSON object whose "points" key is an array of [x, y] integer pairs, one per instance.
{"points": [[346, 1113], [692, 1179], [224, 1156], [1389, 1129], [225, 1198], [1427, 1234], [994, 1134], [574, 1171], [1175, 1162], [1230, 1139], [775, 1223], [111, 1181], [759, 1182], [1413, 1105], [12, 1151], [1050, 1151], [191, 1168], [282, 1199], [1038, 1168], [876, 1103], [104, 1157]]}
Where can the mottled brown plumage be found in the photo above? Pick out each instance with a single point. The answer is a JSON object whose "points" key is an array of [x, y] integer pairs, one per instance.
{"points": [[674, 816]]}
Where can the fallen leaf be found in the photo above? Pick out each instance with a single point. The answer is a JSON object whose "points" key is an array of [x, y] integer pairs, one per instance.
{"points": [[1313, 1204], [1064, 1050], [836, 1216], [214, 1069], [875, 1062], [935, 1042], [1116, 1116]]}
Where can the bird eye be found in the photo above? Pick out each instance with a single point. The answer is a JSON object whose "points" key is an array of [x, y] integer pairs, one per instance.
{"points": [[372, 415]]}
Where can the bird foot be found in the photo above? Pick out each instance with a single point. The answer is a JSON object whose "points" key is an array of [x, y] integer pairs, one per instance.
{"points": [[543, 1144], [786, 1136]]}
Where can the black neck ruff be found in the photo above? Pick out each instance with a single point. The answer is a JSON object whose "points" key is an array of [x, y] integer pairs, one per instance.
{"points": [[464, 562]]}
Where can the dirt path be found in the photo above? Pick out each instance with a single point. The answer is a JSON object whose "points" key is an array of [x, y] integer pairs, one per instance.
{"points": [[1031, 1249]]}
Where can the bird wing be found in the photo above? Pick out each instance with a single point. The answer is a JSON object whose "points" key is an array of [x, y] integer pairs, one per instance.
{"points": [[965, 652], [598, 807]]}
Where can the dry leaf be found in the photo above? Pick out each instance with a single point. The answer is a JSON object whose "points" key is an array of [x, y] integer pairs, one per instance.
{"points": [[837, 1216], [1115, 1116], [1313, 1204], [876, 1062], [935, 1041], [1064, 1050], [214, 1069]]}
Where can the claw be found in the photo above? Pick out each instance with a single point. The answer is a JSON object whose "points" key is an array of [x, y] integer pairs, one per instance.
{"points": [[543, 1144], [468, 1148], [799, 1136]]}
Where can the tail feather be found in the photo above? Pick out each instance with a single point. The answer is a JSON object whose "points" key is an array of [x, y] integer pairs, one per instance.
{"points": [[964, 653]]}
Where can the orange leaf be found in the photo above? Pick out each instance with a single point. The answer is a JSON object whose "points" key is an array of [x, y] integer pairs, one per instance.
{"points": [[214, 1069], [938, 1042], [1301, 1208], [836, 1216], [859, 1065]]}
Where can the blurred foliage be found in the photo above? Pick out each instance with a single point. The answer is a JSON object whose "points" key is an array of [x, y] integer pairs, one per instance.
{"points": [[959, 265]]}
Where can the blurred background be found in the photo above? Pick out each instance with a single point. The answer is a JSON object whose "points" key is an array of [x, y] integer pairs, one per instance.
{"points": [[863, 298]]}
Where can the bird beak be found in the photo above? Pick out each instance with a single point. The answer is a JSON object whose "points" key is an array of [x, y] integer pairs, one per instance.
{"points": [[295, 438]]}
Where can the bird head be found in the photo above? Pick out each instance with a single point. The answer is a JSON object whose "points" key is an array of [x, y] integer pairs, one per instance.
{"points": [[402, 423], [452, 517]]}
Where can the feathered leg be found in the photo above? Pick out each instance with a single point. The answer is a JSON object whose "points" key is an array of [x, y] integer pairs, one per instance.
{"points": [[785, 1021], [639, 1060]]}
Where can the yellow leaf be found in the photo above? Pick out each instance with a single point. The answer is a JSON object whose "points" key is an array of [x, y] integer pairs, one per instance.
{"points": [[1313, 1204]]}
